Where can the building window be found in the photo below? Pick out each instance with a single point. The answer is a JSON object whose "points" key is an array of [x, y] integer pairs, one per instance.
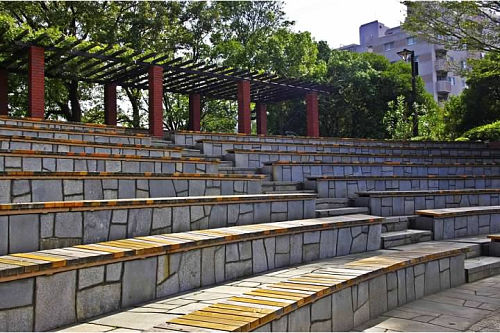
{"points": [[416, 58], [411, 40], [451, 79], [464, 64], [442, 77], [388, 46]]}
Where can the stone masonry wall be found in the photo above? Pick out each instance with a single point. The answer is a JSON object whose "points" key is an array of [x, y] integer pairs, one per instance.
{"points": [[460, 226]]}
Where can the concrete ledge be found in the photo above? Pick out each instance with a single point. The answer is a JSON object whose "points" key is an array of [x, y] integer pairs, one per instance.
{"points": [[28, 160], [344, 294], [349, 186], [451, 223], [85, 281], [46, 225], [26, 186], [392, 203]]}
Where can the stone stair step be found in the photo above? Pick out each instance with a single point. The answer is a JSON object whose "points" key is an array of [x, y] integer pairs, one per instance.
{"points": [[404, 237], [481, 267], [271, 186], [397, 223], [327, 203], [235, 170], [341, 211], [291, 191], [482, 242]]}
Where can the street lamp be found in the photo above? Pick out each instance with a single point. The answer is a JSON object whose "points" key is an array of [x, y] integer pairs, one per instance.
{"points": [[406, 54]]}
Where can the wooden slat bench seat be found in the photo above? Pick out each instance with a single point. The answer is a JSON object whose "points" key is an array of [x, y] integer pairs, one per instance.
{"points": [[349, 186], [397, 203], [144, 268], [450, 223], [29, 186], [86, 135], [42, 225], [76, 146], [28, 160]]}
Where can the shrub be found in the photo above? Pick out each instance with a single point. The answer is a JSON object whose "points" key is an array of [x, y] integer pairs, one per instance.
{"points": [[490, 132]]}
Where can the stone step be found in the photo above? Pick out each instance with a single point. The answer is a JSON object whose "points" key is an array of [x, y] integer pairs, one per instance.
{"points": [[341, 211], [481, 267], [269, 186], [482, 245], [326, 203], [404, 237], [20, 186], [334, 294], [397, 223], [91, 280], [241, 171], [291, 191], [43, 225]]}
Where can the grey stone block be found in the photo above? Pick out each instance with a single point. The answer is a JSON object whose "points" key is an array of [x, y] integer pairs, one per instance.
{"points": [[113, 272], [46, 190], [139, 222], [24, 231], [181, 220], [410, 284], [259, 256], [432, 281], [300, 319], [16, 293], [52, 311], [190, 270], [162, 218], [72, 187], [17, 320], [342, 312], [139, 277], [296, 249], [321, 309], [90, 276], [97, 300], [378, 296], [68, 224], [344, 241], [457, 271], [328, 244], [4, 235], [96, 225]]}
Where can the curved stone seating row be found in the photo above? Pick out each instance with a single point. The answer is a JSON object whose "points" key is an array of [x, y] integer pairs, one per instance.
{"points": [[61, 125], [87, 135], [34, 226], [59, 287], [215, 147], [398, 203], [28, 160], [258, 158], [349, 186], [26, 186], [298, 172], [191, 137], [76, 146], [450, 223], [330, 295]]}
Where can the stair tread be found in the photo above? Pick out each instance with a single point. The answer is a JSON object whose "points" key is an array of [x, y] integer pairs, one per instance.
{"points": [[404, 233], [353, 209], [481, 262]]}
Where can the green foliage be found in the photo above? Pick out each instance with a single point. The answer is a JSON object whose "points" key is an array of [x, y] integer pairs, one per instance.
{"points": [[397, 121], [489, 132]]}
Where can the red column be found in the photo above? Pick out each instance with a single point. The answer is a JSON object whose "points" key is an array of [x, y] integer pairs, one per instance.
{"points": [[110, 112], [312, 114], [36, 82], [194, 112], [155, 101], [4, 93], [261, 112], [244, 117]]}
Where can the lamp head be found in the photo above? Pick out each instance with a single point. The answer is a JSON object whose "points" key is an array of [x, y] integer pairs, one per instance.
{"points": [[405, 54]]}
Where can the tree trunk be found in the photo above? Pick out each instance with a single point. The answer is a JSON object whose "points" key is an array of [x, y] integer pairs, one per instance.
{"points": [[134, 100], [76, 111]]}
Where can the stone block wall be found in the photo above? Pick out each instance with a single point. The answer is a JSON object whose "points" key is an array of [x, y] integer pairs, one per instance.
{"points": [[47, 302], [350, 307], [60, 163], [58, 125], [460, 226], [108, 187], [348, 188], [32, 230]]}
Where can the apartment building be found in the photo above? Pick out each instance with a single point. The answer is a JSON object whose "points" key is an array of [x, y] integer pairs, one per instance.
{"points": [[436, 65]]}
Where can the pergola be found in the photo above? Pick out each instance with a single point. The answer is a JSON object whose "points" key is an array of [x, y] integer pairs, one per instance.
{"points": [[41, 57]]}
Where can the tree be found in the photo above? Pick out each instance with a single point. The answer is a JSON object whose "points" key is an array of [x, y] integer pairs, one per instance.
{"points": [[459, 25]]}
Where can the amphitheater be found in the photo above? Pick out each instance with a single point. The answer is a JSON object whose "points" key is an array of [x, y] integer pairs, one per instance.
{"points": [[106, 228]]}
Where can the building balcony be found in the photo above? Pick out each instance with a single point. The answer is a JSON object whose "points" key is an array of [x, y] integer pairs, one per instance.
{"points": [[443, 87], [441, 65]]}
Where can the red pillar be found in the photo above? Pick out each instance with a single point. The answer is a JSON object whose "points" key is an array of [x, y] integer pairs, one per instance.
{"points": [[244, 117], [36, 82], [194, 112], [4, 93], [155, 78], [110, 112], [312, 114], [261, 112]]}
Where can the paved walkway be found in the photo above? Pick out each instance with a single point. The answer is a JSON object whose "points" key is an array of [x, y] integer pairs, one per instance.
{"points": [[470, 307]]}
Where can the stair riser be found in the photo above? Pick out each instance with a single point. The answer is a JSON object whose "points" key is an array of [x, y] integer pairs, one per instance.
{"points": [[330, 205], [89, 292], [32, 231], [395, 226], [459, 226], [64, 126], [386, 244], [349, 188], [44, 190]]}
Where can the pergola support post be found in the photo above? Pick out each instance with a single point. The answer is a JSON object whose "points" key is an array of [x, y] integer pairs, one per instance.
{"points": [[155, 80], [312, 114], [244, 117], [194, 112], [261, 113], [110, 107], [4, 92], [36, 82]]}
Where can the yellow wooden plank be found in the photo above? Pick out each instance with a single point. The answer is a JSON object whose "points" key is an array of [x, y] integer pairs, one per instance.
{"points": [[287, 293], [258, 301], [241, 307], [94, 247], [270, 295], [203, 324], [325, 283], [123, 245], [298, 286], [239, 317], [16, 262], [234, 312], [212, 319], [56, 262], [157, 240]]}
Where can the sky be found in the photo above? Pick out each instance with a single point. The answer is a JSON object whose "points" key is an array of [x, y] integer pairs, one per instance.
{"points": [[338, 21]]}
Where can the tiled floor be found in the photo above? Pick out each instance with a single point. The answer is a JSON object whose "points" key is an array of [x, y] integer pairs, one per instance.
{"points": [[470, 307]]}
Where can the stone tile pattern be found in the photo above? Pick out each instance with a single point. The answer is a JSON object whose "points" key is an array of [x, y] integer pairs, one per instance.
{"points": [[450, 227], [348, 188], [332, 297], [407, 205], [300, 172], [87, 292], [67, 163], [109, 187], [39, 231]]}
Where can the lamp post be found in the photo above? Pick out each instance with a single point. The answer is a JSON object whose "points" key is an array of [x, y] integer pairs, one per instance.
{"points": [[406, 54]]}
